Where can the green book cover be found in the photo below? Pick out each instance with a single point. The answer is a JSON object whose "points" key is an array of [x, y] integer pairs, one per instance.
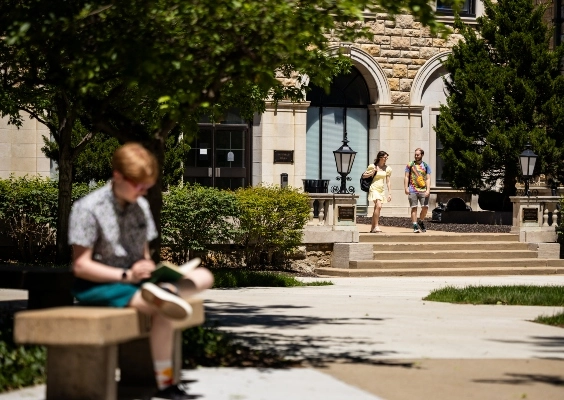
{"points": [[166, 272]]}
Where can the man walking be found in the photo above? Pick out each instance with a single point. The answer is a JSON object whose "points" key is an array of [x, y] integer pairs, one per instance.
{"points": [[417, 187]]}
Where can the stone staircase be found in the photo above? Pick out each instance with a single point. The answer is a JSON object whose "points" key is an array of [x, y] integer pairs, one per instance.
{"points": [[446, 254]]}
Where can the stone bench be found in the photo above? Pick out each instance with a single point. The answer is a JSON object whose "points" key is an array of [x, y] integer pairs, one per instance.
{"points": [[86, 345]]}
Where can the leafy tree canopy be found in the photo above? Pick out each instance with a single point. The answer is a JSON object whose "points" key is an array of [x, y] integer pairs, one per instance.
{"points": [[504, 89]]}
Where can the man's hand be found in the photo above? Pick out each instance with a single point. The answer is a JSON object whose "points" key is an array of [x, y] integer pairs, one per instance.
{"points": [[427, 193], [406, 190], [142, 270]]}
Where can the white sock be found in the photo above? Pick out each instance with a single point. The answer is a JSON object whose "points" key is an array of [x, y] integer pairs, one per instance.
{"points": [[163, 373]]}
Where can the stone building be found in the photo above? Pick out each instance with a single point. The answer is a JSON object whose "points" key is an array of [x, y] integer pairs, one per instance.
{"points": [[390, 101]]}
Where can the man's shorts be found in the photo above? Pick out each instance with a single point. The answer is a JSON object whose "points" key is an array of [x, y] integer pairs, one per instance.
{"points": [[115, 294], [420, 198]]}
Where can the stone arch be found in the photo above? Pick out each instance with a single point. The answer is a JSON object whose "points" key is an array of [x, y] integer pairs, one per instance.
{"points": [[371, 71], [423, 75]]}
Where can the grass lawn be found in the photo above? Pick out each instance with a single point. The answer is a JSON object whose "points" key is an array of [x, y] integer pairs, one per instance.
{"points": [[234, 278], [524, 295]]}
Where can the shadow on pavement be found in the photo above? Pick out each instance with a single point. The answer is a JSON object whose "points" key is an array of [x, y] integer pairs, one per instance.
{"points": [[315, 350], [526, 379], [548, 344]]}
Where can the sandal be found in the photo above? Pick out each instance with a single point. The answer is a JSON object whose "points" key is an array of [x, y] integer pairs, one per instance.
{"points": [[377, 230]]}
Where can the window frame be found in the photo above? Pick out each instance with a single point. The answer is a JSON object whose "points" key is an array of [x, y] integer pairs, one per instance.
{"points": [[469, 11]]}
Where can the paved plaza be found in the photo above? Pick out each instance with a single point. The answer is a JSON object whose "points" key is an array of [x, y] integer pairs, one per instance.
{"points": [[375, 338]]}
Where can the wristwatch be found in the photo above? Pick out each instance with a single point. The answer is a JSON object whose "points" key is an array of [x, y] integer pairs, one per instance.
{"points": [[124, 275]]}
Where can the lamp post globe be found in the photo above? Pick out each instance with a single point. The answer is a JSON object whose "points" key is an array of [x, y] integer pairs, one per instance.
{"points": [[344, 159], [528, 160]]}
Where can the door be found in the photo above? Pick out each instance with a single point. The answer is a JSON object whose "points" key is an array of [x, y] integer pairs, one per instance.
{"points": [[220, 157]]}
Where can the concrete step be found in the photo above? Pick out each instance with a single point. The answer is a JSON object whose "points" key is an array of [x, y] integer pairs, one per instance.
{"points": [[550, 270], [437, 237], [455, 264], [452, 246], [455, 256]]}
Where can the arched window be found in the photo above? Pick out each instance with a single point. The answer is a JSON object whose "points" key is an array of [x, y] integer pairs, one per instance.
{"points": [[348, 96]]}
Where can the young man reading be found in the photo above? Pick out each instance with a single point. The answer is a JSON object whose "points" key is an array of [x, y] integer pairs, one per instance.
{"points": [[110, 230]]}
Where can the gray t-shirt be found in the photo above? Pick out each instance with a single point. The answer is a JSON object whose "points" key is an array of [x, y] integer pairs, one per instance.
{"points": [[116, 234]]}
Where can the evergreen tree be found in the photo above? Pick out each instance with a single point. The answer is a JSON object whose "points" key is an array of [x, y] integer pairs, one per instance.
{"points": [[504, 90]]}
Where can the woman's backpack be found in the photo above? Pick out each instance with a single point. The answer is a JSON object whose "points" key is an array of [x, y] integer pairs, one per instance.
{"points": [[365, 183]]}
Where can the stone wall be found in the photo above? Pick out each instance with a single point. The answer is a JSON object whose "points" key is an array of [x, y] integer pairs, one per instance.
{"points": [[400, 46], [20, 149]]}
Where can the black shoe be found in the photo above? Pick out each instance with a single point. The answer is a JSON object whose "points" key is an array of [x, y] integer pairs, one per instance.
{"points": [[422, 226], [172, 392]]}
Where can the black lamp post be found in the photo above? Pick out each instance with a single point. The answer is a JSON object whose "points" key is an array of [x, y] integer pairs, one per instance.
{"points": [[344, 158], [528, 160]]}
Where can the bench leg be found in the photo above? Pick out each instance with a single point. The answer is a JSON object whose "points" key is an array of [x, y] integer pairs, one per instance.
{"points": [[81, 372], [136, 363], [137, 373]]}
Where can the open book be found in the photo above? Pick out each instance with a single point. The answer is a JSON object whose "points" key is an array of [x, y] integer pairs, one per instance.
{"points": [[169, 272]]}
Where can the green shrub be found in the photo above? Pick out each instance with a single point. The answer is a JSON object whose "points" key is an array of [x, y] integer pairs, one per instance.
{"points": [[28, 210], [19, 365], [28, 207], [271, 221], [194, 217]]}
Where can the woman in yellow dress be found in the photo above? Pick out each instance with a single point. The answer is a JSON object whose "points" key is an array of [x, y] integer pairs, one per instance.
{"points": [[381, 174]]}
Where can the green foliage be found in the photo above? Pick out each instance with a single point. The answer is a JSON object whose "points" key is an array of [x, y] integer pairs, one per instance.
{"points": [[94, 162], [176, 151], [19, 365], [28, 207], [270, 222], [193, 217], [234, 278], [526, 295], [505, 88], [28, 210]]}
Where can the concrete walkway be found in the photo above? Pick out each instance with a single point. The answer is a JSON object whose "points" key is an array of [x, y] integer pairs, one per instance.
{"points": [[375, 338]]}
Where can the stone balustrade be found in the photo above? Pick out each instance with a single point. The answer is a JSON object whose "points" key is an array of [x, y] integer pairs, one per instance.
{"points": [[535, 217], [332, 218]]}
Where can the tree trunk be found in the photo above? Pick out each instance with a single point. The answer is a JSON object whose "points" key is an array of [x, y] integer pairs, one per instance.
{"points": [[509, 189], [65, 195], [509, 181], [155, 195]]}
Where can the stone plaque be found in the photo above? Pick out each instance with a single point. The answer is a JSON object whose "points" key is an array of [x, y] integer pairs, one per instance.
{"points": [[283, 156], [345, 213], [530, 215]]}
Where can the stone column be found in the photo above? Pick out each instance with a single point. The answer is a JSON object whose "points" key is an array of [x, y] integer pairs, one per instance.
{"points": [[280, 127]]}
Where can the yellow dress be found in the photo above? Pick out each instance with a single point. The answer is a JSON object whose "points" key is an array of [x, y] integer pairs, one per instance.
{"points": [[376, 191]]}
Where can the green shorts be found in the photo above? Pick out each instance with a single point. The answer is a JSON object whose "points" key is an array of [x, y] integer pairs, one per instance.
{"points": [[106, 294]]}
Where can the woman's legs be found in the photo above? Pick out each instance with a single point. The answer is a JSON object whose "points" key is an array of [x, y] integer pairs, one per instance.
{"points": [[376, 216]]}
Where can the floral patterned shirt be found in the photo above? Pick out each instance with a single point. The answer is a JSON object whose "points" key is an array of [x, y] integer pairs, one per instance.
{"points": [[116, 234], [417, 181]]}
